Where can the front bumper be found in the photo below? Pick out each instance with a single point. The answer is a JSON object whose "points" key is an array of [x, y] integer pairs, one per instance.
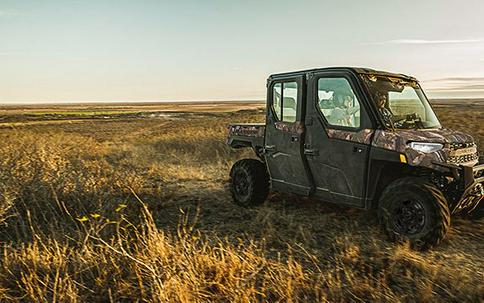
{"points": [[470, 181], [473, 179]]}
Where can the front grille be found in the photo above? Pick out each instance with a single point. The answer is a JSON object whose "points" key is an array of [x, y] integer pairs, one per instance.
{"points": [[463, 153], [463, 159], [456, 146]]}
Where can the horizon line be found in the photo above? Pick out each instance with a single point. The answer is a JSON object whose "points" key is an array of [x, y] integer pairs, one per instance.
{"points": [[2, 104], [124, 102]]}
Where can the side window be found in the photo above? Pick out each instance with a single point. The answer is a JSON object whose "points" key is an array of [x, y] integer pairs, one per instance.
{"points": [[284, 101], [338, 103], [276, 100], [289, 101]]}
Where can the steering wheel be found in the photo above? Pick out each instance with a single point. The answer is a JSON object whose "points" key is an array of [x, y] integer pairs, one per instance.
{"points": [[405, 120]]}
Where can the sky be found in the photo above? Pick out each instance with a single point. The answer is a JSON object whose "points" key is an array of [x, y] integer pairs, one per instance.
{"points": [[80, 51]]}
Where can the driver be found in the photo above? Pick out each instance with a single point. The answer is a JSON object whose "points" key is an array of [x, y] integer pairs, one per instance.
{"points": [[389, 118], [381, 104]]}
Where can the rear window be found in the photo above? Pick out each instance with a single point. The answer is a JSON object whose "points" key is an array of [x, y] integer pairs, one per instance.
{"points": [[284, 101]]}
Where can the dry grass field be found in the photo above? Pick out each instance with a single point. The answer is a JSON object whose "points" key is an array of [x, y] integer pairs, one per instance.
{"points": [[130, 203]]}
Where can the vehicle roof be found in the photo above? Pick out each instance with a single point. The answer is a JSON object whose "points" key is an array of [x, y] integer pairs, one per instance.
{"points": [[358, 70]]}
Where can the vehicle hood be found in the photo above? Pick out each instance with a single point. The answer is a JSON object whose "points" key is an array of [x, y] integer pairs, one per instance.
{"points": [[442, 135], [398, 140], [453, 140]]}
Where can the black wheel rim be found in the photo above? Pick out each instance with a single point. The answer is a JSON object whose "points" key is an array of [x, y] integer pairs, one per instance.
{"points": [[241, 184], [409, 217]]}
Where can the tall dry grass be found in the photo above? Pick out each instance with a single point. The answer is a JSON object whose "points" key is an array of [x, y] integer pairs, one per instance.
{"points": [[138, 210]]}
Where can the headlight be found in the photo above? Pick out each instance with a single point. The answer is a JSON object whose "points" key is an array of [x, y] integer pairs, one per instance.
{"points": [[425, 147]]}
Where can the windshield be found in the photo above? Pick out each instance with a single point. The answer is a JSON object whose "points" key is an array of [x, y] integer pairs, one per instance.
{"points": [[401, 103]]}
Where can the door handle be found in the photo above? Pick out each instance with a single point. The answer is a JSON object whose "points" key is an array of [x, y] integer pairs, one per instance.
{"points": [[311, 152], [294, 138], [270, 147]]}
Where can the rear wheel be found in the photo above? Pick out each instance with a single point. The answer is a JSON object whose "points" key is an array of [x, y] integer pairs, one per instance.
{"points": [[414, 210], [249, 182]]}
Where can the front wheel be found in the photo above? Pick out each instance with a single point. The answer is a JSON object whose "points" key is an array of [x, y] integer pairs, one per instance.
{"points": [[249, 182], [414, 210]]}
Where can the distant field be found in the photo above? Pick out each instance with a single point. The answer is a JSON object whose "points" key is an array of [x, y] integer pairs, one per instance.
{"points": [[129, 202], [94, 108], [454, 113], [42, 114]]}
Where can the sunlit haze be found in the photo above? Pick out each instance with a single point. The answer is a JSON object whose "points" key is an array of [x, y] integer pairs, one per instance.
{"points": [[79, 51]]}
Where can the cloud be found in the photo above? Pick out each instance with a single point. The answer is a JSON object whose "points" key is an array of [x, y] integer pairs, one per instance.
{"points": [[457, 79], [474, 87], [428, 42], [456, 84]]}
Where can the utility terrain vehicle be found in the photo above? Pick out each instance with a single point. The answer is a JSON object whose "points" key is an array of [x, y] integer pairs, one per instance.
{"points": [[363, 138]]}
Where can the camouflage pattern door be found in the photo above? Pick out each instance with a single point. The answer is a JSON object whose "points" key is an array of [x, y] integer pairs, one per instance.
{"points": [[284, 135], [338, 135]]}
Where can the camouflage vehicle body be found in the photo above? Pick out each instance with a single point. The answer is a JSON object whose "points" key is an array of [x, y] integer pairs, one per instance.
{"points": [[397, 141], [390, 140], [385, 153]]}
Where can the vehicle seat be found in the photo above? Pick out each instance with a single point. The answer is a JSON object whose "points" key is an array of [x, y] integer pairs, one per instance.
{"points": [[289, 110], [289, 102]]}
